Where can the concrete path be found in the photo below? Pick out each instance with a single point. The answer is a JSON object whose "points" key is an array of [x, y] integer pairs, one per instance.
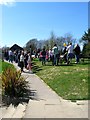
{"points": [[45, 103]]}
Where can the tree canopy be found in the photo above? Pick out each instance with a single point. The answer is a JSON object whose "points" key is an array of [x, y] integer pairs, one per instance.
{"points": [[86, 40], [86, 36], [49, 43]]}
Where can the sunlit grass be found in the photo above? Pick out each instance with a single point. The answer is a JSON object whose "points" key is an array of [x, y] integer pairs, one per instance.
{"points": [[4, 66], [69, 82]]}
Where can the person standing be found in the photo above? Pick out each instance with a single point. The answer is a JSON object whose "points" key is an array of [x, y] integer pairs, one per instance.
{"points": [[50, 54], [25, 59], [65, 52], [6, 55], [10, 56], [29, 63], [22, 61], [77, 53], [55, 55], [18, 57], [70, 54], [43, 53], [47, 55]]}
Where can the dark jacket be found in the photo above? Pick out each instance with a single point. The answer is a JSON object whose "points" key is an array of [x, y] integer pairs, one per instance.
{"points": [[77, 50]]}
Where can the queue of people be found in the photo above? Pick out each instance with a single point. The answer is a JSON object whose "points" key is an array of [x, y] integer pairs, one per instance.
{"points": [[69, 52], [24, 58]]}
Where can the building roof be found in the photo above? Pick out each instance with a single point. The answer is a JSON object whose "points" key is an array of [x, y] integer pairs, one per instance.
{"points": [[16, 47]]}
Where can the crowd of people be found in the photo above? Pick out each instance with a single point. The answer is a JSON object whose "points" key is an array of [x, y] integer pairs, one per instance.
{"points": [[53, 54], [24, 58]]}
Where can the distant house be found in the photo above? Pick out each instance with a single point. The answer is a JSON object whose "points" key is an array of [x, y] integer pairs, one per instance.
{"points": [[16, 47]]}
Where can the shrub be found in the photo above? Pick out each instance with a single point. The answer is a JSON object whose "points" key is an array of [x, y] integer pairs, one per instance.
{"points": [[13, 84]]}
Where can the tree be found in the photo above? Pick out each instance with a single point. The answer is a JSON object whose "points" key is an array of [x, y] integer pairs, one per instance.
{"points": [[68, 38], [47, 44], [86, 36], [86, 41], [60, 41], [32, 43], [52, 40]]}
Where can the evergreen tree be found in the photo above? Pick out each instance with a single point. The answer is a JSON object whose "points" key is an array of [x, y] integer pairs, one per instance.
{"points": [[86, 40]]}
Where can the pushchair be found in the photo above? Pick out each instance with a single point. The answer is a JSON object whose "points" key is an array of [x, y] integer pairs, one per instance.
{"points": [[63, 58]]}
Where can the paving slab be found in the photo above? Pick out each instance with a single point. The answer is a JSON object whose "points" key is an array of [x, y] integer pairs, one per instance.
{"points": [[20, 111], [36, 108], [8, 112]]}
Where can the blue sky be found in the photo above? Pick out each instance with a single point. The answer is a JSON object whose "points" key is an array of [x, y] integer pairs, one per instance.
{"points": [[23, 21]]}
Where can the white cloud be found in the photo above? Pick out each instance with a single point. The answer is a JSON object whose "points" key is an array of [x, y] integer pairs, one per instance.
{"points": [[7, 2], [11, 2]]}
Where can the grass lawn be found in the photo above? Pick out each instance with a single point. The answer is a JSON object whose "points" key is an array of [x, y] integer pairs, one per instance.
{"points": [[69, 82], [3, 66]]}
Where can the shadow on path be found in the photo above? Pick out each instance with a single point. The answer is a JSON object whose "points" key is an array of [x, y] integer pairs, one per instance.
{"points": [[29, 94], [7, 100]]}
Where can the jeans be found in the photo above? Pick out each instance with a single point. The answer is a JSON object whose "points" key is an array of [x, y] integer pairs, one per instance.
{"points": [[77, 58], [69, 57], [43, 60], [55, 59]]}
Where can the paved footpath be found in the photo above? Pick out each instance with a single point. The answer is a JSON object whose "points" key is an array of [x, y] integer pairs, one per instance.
{"points": [[45, 103]]}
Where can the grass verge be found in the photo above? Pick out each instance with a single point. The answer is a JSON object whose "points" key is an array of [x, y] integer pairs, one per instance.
{"points": [[69, 82], [3, 67]]}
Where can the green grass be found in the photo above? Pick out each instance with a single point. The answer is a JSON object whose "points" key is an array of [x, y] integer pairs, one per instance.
{"points": [[3, 66], [69, 82]]}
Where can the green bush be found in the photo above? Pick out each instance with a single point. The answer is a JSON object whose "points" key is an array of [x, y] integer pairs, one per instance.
{"points": [[13, 84]]}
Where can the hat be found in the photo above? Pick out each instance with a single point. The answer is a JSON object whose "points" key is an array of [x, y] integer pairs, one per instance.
{"points": [[64, 44]]}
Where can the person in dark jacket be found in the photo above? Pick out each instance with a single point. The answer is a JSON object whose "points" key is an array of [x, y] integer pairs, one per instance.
{"points": [[18, 56], [43, 53], [26, 59], [65, 52], [77, 53]]}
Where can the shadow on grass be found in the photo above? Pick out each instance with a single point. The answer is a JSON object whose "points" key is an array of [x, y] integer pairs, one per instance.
{"points": [[36, 68], [66, 65], [85, 63], [59, 65]]}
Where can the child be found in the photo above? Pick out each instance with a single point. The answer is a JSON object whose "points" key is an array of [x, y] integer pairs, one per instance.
{"points": [[29, 63]]}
